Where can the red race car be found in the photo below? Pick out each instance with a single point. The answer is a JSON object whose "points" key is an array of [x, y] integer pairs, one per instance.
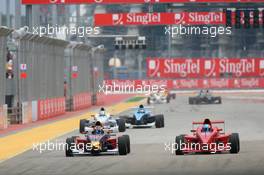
{"points": [[207, 138]]}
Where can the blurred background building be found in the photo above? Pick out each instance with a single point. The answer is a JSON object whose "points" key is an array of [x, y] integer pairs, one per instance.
{"points": [[131, 63]]}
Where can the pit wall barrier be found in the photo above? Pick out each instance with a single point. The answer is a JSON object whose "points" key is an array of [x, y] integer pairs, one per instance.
{"points": [[189, 84], [101, 99], [52, 107], [48, 108], [27, 112], [82, 101]]}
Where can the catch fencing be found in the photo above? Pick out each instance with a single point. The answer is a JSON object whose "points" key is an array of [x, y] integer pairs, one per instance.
{"points": [[50, 77], [39, 76], [78, 86], [4, 32]]}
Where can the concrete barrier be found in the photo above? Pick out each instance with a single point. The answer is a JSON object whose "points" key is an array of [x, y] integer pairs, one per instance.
{"points": [[82, 101], [26, 112], [51, 107], [3, 117]]}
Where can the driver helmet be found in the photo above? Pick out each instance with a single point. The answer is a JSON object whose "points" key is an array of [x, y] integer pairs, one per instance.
{"points": [[206, 128], [141, 108], [102, 112], [98, 127]]}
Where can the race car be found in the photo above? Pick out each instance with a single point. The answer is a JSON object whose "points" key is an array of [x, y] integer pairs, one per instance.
{"points": [[172, 95], [108, 122], [97, 141], [142, 117], [205, 97], [207, 138], [160, 97]]}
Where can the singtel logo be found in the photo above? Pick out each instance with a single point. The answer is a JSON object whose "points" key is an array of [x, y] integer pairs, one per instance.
{"points": [[136, 18], [219, 83], [157, 82], [143, 19], [206, 18], [250, 82], [183, 68], [243, 66], [189, 83]]}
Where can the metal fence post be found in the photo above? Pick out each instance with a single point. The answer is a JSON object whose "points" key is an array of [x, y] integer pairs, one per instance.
{"points": [[4, 32], [78, 75]]}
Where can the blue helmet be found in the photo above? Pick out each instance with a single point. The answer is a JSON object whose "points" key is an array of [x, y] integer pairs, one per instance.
{"points": [[206, 128], [98, 132]]}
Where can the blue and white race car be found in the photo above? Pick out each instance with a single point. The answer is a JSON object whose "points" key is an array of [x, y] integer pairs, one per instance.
{"points": [[142, 117], [108, 121]]}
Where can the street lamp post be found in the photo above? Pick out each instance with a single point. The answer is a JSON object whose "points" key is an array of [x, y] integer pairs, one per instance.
{"points": [[71, 47], [92, 67]]}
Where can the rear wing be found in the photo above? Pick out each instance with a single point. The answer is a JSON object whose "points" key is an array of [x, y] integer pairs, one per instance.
{"points": [[96, 114], [213, 122], [107, 131], [145, 107], [150, 109]]}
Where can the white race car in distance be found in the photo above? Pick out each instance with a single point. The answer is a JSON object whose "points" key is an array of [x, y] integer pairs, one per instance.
{"points": [[108, 121], [159, 98]]}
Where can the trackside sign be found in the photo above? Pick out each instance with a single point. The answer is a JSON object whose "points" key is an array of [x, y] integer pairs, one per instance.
{"points": [[184, 18], [204, 68]]}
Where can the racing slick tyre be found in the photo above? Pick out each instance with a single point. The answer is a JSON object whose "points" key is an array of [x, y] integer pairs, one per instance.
{"points": [[162, 121], [127, 142], [159, 123], [69, 144], [122, 145], [126, 119], [178, 141], [219, 99], [190, 101], [121, 125], [235, 143], [196, 101], [148, 101], [168, 99], [83, 123]]}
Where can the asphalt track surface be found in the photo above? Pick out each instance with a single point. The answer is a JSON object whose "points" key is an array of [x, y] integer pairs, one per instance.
{"points": [[148, 155]]}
